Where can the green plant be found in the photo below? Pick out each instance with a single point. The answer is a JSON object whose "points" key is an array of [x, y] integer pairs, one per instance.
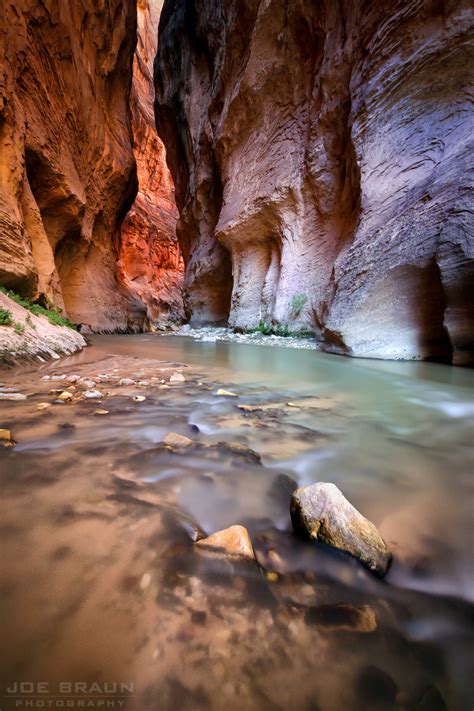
{"points": [[5, 317], [52, 314], [297, 304], [18, 327]]}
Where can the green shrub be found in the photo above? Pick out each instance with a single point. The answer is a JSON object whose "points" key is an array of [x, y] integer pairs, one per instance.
{"points": [[298, 302], [18, 327], [52, 314], [5, 317]]}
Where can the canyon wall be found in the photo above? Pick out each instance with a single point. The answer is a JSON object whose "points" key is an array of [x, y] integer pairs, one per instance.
{"points": [[320, 153], [150, 258], [67, 170]]}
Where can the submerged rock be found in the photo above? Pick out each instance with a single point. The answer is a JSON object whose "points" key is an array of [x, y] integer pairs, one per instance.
{"points": [[226, 393], [321, 512], [353, 618], [93, 394], [232, 541], [65, 396], [173, 439], [126, 381]]}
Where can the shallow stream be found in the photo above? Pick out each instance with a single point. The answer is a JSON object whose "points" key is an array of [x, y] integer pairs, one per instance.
{"points": [[101, 581]]}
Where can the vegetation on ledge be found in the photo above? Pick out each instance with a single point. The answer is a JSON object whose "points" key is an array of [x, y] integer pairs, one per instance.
{"points": [[52, 314]]}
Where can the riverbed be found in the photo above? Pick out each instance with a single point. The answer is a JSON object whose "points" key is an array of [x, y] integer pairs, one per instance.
{"points": [[101, 580]]}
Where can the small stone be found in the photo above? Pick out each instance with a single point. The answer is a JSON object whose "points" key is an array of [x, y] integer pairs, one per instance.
{"points": [[58, 377], [226, 393], [73, 378], [353, 618], [240, 450], [12, 396], [46, 377], [177, 378], [139, 398], [249, 408], [145, 581], [43, 405], [126, 381], [173, 439], [92, 394], [322, 513], [89, 384], [99, 411], [272, 576], [6, 439], [232, 541], [143, 383], [65, 396]]}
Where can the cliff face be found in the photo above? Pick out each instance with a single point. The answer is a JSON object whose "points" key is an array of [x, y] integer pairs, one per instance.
{"points": [[67, 167], [319, 152], [150, 258]]}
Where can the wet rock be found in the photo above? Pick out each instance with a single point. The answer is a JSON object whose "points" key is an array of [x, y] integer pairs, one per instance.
{"points": [[226, 393], [322, 513], [126, 381], [239, 449], [89, 384], [232, 541], [177, 378], [93, 394], [143, 383], [12, 396], [43, 406], [58, 377], [73, 378], [139, 398], [173, 439], [66, 396], [100, 411], [46, 377], [6, 439], [352, 618]]}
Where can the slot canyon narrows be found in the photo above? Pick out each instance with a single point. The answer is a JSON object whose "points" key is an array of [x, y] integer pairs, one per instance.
{"points": [[236, 350]]}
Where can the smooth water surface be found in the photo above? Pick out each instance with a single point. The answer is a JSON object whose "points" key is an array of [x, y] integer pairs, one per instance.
{"points": [[101, 578]]}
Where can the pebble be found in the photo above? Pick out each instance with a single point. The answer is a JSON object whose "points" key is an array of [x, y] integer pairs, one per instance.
{"points": [[91, 394], [144, 383], [226, 393], [6, 439], [12, 396], [89, 384], [126, 381], [145, 581], [177, 378], [99, 411], [173, 439], [65, 395], [43, 405], [58, 377], [139, 398], [73, 378]]}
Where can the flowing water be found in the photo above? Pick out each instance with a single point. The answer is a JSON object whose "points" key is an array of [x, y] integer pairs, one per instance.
{"points": [[102, 586]]}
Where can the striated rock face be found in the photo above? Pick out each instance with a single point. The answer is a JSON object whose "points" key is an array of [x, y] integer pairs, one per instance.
{"points": [[320, 156], [150, 258], [67, 173]]}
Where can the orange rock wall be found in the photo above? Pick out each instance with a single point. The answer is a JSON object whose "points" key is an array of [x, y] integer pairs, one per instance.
{"points": [[150, 258]]}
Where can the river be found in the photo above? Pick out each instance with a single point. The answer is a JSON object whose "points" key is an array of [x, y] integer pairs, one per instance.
{"points": [[100, 579]]}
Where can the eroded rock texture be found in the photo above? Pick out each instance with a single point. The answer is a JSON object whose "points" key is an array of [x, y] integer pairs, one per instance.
{"points": [[150, 258], [67, 167], [321, 150]]}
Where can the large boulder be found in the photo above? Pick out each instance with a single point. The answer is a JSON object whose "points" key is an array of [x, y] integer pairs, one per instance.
{"points": [[322, 513]]}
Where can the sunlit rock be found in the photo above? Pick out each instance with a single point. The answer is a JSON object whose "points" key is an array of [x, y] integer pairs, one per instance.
{"points": [[322, 513], [233, 541]]}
